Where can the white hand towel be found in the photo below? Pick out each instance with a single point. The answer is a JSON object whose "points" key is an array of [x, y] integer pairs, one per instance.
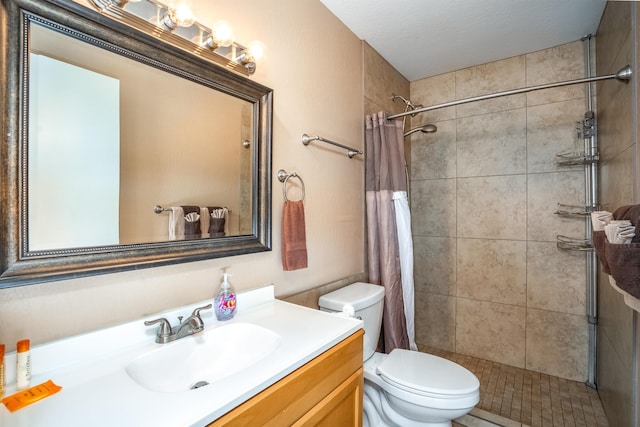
{"points": [[226, 221], [176, 223], [619, 232], [599, 219], [192, 217], [204, 221]]}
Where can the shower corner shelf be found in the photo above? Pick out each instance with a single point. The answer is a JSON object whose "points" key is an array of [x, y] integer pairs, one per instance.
{"points": [[575, 210], [576, 159], [574, 244]]}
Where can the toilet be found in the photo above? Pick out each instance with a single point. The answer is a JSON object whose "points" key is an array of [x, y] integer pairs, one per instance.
{"points": [[403, 388]]}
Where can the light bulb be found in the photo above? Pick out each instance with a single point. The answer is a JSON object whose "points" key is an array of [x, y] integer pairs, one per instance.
{"points": [[221, 34], [255, 51], [179, 15]]}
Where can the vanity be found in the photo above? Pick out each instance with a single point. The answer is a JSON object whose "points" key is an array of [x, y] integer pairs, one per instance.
{"points": [[305, 368], [275, 363]]}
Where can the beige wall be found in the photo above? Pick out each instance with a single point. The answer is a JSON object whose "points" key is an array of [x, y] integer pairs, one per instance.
{"points": [[380, 81], [314, 65], [618, 349], [489, 279]]}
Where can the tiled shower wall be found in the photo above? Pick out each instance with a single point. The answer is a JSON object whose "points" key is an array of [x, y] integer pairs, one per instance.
{"points": [[490, 281], [618, 349]]}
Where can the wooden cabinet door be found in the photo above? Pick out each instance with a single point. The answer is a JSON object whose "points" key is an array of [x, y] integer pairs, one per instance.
{"points": [[343, 407], [325, 391]]}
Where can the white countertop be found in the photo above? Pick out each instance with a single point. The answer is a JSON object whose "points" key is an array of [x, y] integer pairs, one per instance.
{"points": [[96, 390]]}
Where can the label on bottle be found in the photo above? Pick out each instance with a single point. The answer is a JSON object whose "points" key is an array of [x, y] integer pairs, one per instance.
{"points": [[23, 370], [225, 306]]}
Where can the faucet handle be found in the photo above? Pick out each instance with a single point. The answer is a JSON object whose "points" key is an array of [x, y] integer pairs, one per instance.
{"points": [[197, 311], [164, 330]]}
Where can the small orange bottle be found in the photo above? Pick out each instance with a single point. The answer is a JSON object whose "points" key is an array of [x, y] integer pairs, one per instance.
{"points": [[23, 365]]}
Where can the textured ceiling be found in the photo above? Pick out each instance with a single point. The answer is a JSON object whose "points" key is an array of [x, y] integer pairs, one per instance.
{"points": [[423, 38]]}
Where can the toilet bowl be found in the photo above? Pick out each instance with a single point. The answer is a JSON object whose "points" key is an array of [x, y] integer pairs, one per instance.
{"points": [[403, 388]]}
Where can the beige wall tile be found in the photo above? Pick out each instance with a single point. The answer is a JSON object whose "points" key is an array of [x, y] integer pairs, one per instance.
{"points": [[433, 207], [557, 344], [492, 207], [435, 320], [491, 78], [616, 187], [614, 29], [492, 144], [614, 110], [551, 130], [310, 297], [491, 331], [435, 265], [545, 191], [557, 64], [615, 388], [618, 178], [381, 81], [555, 279], [371, 107], [432, 91], [492, 270], [434, 155], [615, 321]]}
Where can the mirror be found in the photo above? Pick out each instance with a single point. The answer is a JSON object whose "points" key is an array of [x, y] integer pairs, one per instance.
{"points": [[116, 141]]}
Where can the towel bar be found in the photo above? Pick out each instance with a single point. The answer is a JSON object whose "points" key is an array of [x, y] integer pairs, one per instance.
{"points": [[306, 139], [159, 209]]}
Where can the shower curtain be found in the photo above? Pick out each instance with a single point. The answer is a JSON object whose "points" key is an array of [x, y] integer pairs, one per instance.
{"points": [[389, 229]]}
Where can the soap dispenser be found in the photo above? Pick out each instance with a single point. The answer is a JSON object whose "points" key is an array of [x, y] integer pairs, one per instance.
{"points": [[225, 302]]}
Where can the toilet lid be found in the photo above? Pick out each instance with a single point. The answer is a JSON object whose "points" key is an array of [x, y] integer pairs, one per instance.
{"points": [[426, 374]]}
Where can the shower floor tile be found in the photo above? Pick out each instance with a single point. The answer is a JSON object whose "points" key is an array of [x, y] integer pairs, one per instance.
{"points": [[529, 398]]}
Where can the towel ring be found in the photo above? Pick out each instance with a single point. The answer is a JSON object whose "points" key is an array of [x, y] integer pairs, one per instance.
{"points": [[283, 176]]}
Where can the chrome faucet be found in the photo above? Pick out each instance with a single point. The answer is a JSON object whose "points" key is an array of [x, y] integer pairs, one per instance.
{"points": [[192, 325]]}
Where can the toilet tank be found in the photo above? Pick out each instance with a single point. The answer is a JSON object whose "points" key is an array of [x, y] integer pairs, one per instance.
{"points": [[367, 301]]}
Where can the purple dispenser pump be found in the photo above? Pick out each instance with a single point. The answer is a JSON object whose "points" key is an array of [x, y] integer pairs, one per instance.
{"points": [[225, 302]]}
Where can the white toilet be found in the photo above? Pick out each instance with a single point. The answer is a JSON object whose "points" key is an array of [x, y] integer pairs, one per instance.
{"points": [[403, 388]]}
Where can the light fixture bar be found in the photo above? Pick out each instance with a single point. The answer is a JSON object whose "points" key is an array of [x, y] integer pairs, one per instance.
{"points": [[142, 15]]}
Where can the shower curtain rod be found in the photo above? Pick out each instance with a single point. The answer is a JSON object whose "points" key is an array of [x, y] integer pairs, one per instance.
{"points": [[624, 75]]}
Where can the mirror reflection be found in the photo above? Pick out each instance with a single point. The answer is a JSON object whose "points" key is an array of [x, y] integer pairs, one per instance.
{"points": [[110, 138]]}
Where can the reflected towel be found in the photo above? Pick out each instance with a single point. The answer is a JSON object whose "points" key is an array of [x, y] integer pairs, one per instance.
{"points": [[176, 223], [213, 223], [191, 222], [294, 240]]}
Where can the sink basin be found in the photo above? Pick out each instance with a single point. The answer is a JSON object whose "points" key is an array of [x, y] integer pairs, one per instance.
{"points": [[203, 359]]}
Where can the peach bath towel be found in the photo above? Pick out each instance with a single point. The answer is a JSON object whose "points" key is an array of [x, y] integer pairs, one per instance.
{"points": [[294, 240]]}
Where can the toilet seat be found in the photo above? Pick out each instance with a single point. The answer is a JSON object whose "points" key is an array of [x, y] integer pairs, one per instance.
{"points": [[427, 375]]}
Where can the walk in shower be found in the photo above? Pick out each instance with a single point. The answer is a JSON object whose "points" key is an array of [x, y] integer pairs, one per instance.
{"points": [[489, 193]]}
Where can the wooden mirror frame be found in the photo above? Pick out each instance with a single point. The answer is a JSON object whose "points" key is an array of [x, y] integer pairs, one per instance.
{"points": [[20, 267]]}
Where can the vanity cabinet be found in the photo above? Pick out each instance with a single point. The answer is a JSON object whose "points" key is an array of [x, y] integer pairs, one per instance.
{"points": [[327, 391]]}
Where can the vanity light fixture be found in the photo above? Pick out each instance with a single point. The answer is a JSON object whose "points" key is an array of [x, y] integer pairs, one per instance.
{"points": [[175, 23]]}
